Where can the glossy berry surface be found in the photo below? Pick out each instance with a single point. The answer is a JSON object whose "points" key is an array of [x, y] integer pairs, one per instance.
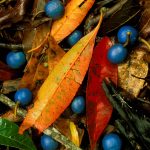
{"points": [[15, 60], [23, 96], [78, 105], [74, 37], [54, 9], [117, 54], [48, 143], [111, 142], [123, 34]]}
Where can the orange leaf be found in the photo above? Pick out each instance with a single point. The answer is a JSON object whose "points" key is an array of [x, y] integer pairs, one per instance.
{"points": [[61, 85], [75, 12]]}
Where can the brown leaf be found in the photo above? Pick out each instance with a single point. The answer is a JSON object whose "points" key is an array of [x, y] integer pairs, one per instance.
{"points": [[10, 86], [9, 115], [135, 66], [145, 19]]}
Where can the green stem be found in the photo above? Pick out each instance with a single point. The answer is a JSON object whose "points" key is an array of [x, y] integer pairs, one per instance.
{"points": [[51, 131], [144, 42]]}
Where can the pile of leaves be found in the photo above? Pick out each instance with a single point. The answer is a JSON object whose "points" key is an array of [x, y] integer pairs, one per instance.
{"points": [[56, 73]]}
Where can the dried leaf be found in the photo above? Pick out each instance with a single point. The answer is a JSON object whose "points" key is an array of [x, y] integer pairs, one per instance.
{"points": [[145, 18], [33, 62], [75, 12], [9, 115], [10, 86], [135, 66], [98, 108], [61, 85]]}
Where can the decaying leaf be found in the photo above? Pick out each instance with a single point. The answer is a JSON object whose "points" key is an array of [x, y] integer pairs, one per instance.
{"points": [[129, 11], [10, 86], [145, 18], [61, 85], [134, 67], [9, 115], [75, 12]]}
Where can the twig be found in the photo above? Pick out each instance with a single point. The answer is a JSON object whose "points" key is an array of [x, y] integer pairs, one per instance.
{"points": [[51, 131]]}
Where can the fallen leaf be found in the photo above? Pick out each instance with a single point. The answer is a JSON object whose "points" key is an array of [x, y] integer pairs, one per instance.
{"points": [[6, 73], [74, 134], [9, 115], [98, 108], [63, 125], [145, 18], [75, 12], [127, 13], [61, 85], [129, 72], [10, 86]]}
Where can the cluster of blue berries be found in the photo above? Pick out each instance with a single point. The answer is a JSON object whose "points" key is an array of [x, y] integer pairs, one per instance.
{"points": [[127, 35]]}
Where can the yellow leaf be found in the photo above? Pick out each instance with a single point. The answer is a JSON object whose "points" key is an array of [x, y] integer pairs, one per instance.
{"points": [[74, 134], [75, 12], [61, 85]]}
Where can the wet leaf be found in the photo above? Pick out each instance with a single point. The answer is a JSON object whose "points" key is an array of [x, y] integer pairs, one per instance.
{"points": [[75, 12], [61, 85], [98, 108], [9, 136], [129, 72]]}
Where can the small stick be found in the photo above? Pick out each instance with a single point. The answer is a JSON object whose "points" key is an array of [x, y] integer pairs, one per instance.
{"points": [[51, 131]]}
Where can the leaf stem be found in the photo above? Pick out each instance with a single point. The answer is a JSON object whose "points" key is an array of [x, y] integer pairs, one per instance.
{"points": [[144, 42], [51, 131]]}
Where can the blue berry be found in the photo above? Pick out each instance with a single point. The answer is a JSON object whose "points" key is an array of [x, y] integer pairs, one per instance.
{"points": [[117, 54], [78, 105], [123, 34], [111, 142], [23, 96], [48, 143], [74, 37], [15, 60], [54, 9]]}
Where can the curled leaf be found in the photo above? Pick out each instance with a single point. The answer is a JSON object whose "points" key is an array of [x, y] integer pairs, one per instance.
{"points": [[75, 12], [61, 85]]}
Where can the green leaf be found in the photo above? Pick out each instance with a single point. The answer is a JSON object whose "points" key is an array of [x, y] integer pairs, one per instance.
{"points": [[9, 136]]}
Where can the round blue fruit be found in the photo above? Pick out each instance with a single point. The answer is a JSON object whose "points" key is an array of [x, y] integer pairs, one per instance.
{"points": [[123, 34], [74, 37], [23, 96], [78, 105], [111, 142], [48, 143], [54, 9], [15, 60], [117, 54]]}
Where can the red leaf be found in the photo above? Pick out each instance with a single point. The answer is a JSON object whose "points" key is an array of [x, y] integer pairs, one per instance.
{"points": [[6, 73], [98, 108]]}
